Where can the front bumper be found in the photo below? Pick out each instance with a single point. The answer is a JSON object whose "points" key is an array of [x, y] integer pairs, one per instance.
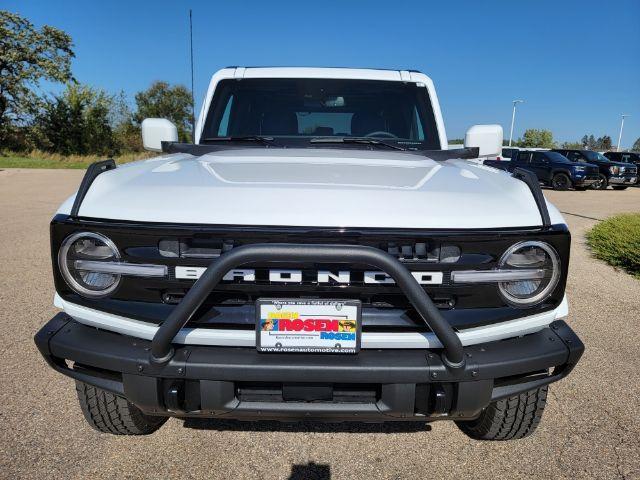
{"points": [[626, 180], [373, 385], [585, 181]]}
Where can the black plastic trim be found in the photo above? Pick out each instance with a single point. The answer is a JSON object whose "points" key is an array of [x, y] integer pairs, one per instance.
{"points": [[90, 222], [532, 182], [90, 175], [200, 149], [474, 305], [121, 364], [42, 338]]}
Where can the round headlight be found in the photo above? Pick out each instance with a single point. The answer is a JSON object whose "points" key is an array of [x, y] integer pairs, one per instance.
{"points": [[88, 246], [531, 255]]}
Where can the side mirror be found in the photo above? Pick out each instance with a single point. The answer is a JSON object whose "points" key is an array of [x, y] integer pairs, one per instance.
{"points": [[486, 138], [157, 130]]}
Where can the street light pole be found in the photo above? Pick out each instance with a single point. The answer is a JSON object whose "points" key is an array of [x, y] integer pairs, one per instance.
{"points": [[513, 118], [620, 136]]}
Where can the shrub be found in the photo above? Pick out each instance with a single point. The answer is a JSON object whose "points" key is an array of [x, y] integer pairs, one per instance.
{"points": [[617, 242]]}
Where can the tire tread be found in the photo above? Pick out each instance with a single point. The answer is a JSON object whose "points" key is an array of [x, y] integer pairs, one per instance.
{"points": [[109, 413], [510, 418]]}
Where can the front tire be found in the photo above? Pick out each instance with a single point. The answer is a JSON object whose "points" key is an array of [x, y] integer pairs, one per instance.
{"points": [[108, 413], [508, 419], [561, 181], [602, 183]]}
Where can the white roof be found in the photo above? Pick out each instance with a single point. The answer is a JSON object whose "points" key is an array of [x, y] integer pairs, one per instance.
{"points": [[329, 72], [322, 72]]}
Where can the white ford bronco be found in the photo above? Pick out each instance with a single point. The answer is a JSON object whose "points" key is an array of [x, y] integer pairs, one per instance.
{"points": [[316, 253]]}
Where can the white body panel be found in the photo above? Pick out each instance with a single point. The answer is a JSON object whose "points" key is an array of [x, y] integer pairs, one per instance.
{"points": [[323, 187], [247, 338], [312, 187], [157, 130]]}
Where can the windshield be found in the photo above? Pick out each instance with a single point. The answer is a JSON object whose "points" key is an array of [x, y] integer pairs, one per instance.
{"points": [[297, 110], [595, 156], [556, 157]]}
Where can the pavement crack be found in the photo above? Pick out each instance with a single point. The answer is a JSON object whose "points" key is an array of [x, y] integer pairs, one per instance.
{"points": [[620, 429], [582, 216]]}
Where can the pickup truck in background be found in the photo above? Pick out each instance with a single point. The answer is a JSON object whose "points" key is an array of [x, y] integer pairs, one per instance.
{"points": [[625, 157], [617, 174], [551, 168]]}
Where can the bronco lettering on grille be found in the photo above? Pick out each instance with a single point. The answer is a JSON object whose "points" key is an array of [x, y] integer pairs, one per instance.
{"points": [[342, 277]]}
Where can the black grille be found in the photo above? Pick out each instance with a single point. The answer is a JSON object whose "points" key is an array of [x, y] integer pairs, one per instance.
{"points": [[300, 392], [152, 299], [209, 248]]}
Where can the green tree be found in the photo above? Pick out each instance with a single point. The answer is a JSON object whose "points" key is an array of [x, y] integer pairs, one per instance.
{"points": [[636, 146], [78, 121], [534, 138], [571, 145], [603, 143], [589, 142], [27, 56], [161, 100]]}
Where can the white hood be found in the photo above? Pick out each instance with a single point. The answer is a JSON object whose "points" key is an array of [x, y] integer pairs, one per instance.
{"points": [[312, 187]]}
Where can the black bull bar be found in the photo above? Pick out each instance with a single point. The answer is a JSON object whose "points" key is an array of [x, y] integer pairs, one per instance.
{"points": [[162, 351]]}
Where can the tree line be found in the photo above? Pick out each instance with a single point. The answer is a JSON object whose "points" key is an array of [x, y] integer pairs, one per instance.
{"points": [[81, 119], [534, 138], [541, 138]]}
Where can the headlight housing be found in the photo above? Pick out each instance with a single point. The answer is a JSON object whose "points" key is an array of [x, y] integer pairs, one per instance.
{"points": [[579, 168], [614, 170], [86, 247], [530, 255]]}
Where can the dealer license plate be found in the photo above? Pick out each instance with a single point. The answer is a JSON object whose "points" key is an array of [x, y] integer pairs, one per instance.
{"points": [[315, 326]]}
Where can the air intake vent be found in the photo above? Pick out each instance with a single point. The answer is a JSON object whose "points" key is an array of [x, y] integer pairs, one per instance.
{"points": [[406, 251], [194, 248]]}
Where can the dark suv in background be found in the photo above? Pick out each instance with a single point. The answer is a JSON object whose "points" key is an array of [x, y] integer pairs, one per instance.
{"points": [[510, 152], [617, 174], [551, 168], [625, 157]]}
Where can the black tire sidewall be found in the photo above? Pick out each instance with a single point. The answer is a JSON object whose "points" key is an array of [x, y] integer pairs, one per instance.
{"points": [[566, 184], [603, 184]]}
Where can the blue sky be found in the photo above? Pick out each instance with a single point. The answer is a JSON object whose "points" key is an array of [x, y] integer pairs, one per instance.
{"points": [[576, 63]]}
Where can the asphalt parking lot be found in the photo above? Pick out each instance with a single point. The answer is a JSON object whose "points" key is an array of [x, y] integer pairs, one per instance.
{"points": [[591, 427]]}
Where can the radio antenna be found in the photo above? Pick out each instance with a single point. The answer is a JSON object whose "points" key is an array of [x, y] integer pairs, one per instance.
{"points": [[193, 103]]}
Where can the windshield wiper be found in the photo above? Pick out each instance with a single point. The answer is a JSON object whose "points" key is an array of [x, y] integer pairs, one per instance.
{"points": [[359, 140], [244, 138]]}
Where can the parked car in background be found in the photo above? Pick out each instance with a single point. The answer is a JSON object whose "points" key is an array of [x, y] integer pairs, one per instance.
{"points": [[551, 168], [508, 153], [625, 157], [505, 154], [617, 174]]}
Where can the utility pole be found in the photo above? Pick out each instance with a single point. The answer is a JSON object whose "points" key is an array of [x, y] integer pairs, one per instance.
{"points": [[193, 103], [513, 118], [620, 136]]}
